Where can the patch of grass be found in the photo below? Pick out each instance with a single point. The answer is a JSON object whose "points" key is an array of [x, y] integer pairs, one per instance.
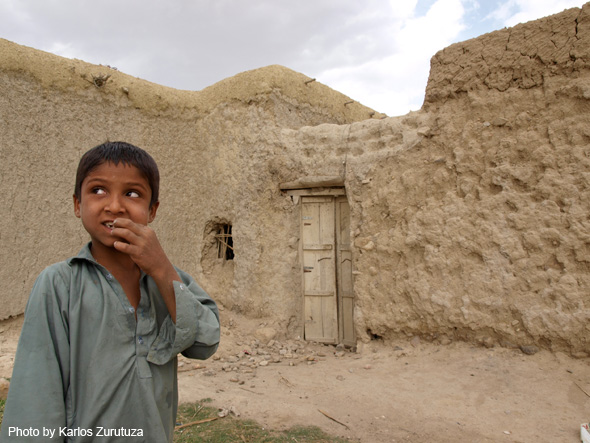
{"points": [[231, 429]]}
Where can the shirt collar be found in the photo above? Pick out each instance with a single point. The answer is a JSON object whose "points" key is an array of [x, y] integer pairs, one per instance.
{"points": [[84, 254]]}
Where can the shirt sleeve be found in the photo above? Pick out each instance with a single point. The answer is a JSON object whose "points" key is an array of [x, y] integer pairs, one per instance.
{"points": [[196, 332], [41, 365]]}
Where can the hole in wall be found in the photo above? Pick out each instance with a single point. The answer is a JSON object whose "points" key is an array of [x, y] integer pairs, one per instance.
{"points": [[373, 336], [217, 258], [218, 243], [225, 242]]}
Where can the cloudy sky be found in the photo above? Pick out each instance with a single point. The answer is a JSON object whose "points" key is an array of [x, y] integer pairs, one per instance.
{"points": [[375, 51]]}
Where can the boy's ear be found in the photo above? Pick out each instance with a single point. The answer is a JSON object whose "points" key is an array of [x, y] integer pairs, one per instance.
{"points": [[153, 210], [76, 206]]}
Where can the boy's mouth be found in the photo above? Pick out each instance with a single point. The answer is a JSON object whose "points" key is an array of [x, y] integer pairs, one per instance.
{"points": [[109, 225]]}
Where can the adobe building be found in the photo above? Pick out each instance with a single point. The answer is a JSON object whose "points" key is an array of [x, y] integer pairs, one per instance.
{"points": [[290, 202]]}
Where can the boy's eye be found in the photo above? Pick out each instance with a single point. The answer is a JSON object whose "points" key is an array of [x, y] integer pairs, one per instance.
{"points": [[98, 191], [133, 194]]}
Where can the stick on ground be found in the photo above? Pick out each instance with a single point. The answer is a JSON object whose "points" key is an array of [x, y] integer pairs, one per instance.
{"points": [[582, 389], [332, 418], [192, 423]]}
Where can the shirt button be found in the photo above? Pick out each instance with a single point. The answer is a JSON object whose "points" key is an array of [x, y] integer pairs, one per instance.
{"points": [[131, 309], [181, 286], [109, 277], [140, 340]]}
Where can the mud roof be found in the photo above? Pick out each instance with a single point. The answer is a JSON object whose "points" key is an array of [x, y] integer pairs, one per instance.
{"points": [[73, 75]]}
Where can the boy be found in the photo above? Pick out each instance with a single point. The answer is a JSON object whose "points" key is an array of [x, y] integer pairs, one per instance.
{"points": [[96, 359]]}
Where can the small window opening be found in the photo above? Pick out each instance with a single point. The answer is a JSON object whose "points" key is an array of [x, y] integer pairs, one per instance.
{"points": [[225, 243]]}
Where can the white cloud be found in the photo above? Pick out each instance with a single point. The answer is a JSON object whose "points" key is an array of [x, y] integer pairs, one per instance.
{"points": [[514, 12], [439, 27], [403, 9], [14, 19], [61, 49], [395, 83], [503, 11]]}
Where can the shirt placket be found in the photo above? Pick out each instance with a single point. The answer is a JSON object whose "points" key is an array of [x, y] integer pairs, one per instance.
{"points": [[140, 324], [143, 332]]}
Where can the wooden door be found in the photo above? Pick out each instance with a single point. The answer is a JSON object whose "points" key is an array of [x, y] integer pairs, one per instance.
{"points": [[327, 270], [319, 271]]}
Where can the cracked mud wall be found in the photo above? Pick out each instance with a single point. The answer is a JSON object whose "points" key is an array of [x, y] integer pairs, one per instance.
{"points": [[481, 230], [469, 218]]}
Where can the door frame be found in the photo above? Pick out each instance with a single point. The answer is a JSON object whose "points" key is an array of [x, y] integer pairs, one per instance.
{"points": [[339, 195]]}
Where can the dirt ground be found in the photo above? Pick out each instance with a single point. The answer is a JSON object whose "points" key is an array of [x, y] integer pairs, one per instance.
{"points": [[410, 392]]}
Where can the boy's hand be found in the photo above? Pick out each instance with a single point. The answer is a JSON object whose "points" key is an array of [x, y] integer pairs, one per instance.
{"points": [[142, 245]]}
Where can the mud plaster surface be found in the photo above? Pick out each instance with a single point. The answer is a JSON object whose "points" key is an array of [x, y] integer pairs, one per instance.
{"points": [[411, 392]]}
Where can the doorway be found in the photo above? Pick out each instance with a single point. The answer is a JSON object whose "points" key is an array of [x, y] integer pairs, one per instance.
{"points": [[328, 296]]}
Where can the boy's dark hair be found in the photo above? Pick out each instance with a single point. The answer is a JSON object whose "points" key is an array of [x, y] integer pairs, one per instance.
{"points": [[115, 152]]}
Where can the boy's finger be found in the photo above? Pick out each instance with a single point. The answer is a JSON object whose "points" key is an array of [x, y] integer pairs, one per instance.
{"points": [[121, 246], [126, 223], [125, 234]]}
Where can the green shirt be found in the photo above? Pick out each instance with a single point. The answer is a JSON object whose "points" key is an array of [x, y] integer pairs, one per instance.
{"points": [[84, 362]]}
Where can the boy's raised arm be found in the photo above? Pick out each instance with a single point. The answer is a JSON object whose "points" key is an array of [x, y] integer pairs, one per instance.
{"points": [[143, 246], [193, 328]]}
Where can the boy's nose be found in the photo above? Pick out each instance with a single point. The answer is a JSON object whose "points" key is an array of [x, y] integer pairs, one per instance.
{"points": [[114, 205]]}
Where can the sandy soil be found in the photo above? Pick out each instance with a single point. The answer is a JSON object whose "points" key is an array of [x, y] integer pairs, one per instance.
{"points": [[413, 391]]}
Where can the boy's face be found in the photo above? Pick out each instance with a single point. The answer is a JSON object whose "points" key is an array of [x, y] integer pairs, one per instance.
{"points": [[109, 192]]}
